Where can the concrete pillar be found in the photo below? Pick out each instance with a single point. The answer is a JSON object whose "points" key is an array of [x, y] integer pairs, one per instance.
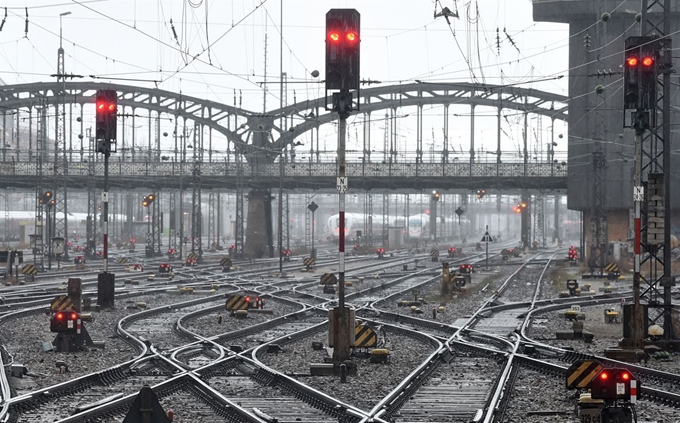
{"points": [[259, 232]]}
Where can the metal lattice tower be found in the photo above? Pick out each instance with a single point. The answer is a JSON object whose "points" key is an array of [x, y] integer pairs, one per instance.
{"points": [[196, 244], [308, 228], [386, 138], [539, 221], [172, 233], [286, 222], [6, 223], [211, 220], [40, 232], [239, 237], [91, 228], [385, 220], [91, 225], [156, 223], [60, 159], [218, 227], [371, 240], [598, 221], [656, 147]]}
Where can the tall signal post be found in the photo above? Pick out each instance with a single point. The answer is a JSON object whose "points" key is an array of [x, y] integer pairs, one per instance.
{"points": [[106, 106], [342, 77], [647, 68]]}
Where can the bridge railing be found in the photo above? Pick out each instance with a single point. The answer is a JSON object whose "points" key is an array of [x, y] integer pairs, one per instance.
{"points": [[298, 169]]}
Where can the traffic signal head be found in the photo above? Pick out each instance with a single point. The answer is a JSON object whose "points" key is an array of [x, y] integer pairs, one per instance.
{"points": [[435, 195], [640, 73], [148, 199], [342, 49], [614, 384], [106, 107], [64, 321], [47, 198], [521, 207], [481, 193]]}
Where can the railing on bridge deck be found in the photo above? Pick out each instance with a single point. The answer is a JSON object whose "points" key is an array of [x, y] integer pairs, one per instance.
{"points": [[299, 169]]}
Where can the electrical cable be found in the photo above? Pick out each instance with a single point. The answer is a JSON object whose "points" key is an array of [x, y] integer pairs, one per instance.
{"points": [[194, 58]]}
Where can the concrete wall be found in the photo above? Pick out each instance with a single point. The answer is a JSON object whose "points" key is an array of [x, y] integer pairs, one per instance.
{"points": [[596, 121]]}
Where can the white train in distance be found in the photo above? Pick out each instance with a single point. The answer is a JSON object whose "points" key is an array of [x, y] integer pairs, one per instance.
{"points": [[76, 221], [415, 227]]}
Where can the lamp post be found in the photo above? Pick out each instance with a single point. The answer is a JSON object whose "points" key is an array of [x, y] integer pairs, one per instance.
{"points": [[61, 15]]}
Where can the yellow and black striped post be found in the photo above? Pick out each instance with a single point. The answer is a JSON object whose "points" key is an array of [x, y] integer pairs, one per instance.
{"points": [[237, 302], [580, 374], [365, 337]]}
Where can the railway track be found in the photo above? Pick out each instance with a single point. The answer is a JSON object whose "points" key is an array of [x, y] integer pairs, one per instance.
{"points": [[257, 369]]}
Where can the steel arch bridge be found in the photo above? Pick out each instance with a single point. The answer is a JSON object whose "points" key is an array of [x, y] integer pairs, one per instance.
{"points": [[250, 132], [257, 139]]}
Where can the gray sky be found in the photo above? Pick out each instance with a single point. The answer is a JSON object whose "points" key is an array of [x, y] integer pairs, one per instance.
{"points": [[400, 42]]}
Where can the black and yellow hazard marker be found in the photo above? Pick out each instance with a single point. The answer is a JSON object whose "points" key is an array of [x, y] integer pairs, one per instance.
{"points": [[328, 279], [365, 337], [225, 262], [237, 302], [308, 262], [61, 303], [29, 269], [192, 257], [122, 260], [580, 374]]}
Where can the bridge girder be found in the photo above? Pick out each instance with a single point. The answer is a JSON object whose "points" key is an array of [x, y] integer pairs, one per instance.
{"points": [[257, 128]]}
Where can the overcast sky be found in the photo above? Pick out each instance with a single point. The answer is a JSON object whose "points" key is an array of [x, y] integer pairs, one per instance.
{"points": [[220, 45]]}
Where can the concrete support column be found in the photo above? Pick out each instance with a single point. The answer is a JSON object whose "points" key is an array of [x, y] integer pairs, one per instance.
{"points": [[526, 221], [259, 232]]}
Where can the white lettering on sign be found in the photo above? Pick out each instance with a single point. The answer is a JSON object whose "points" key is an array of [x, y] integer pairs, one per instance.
{"points": [[342, 186], [639, 193]]}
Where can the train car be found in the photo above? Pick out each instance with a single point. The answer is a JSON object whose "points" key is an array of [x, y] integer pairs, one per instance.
{"points": [[419, 226], [14, 223]]}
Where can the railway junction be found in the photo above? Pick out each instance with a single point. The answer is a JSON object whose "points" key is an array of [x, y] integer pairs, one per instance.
{"points": [[204, 271]]}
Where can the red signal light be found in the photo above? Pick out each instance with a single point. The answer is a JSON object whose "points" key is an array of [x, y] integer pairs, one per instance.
{"points": [[101, 106], [112, 107], [248, 299], [625, 376], [647, 61], [632, 61], [604, 375], [334, 36], [352, 36], [74, 316], [59, 316]]}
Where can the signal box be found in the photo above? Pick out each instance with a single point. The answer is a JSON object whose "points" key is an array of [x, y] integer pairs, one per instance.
{"points": [[452, 251], [615, 384], [64, 321], [466, 269]]}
